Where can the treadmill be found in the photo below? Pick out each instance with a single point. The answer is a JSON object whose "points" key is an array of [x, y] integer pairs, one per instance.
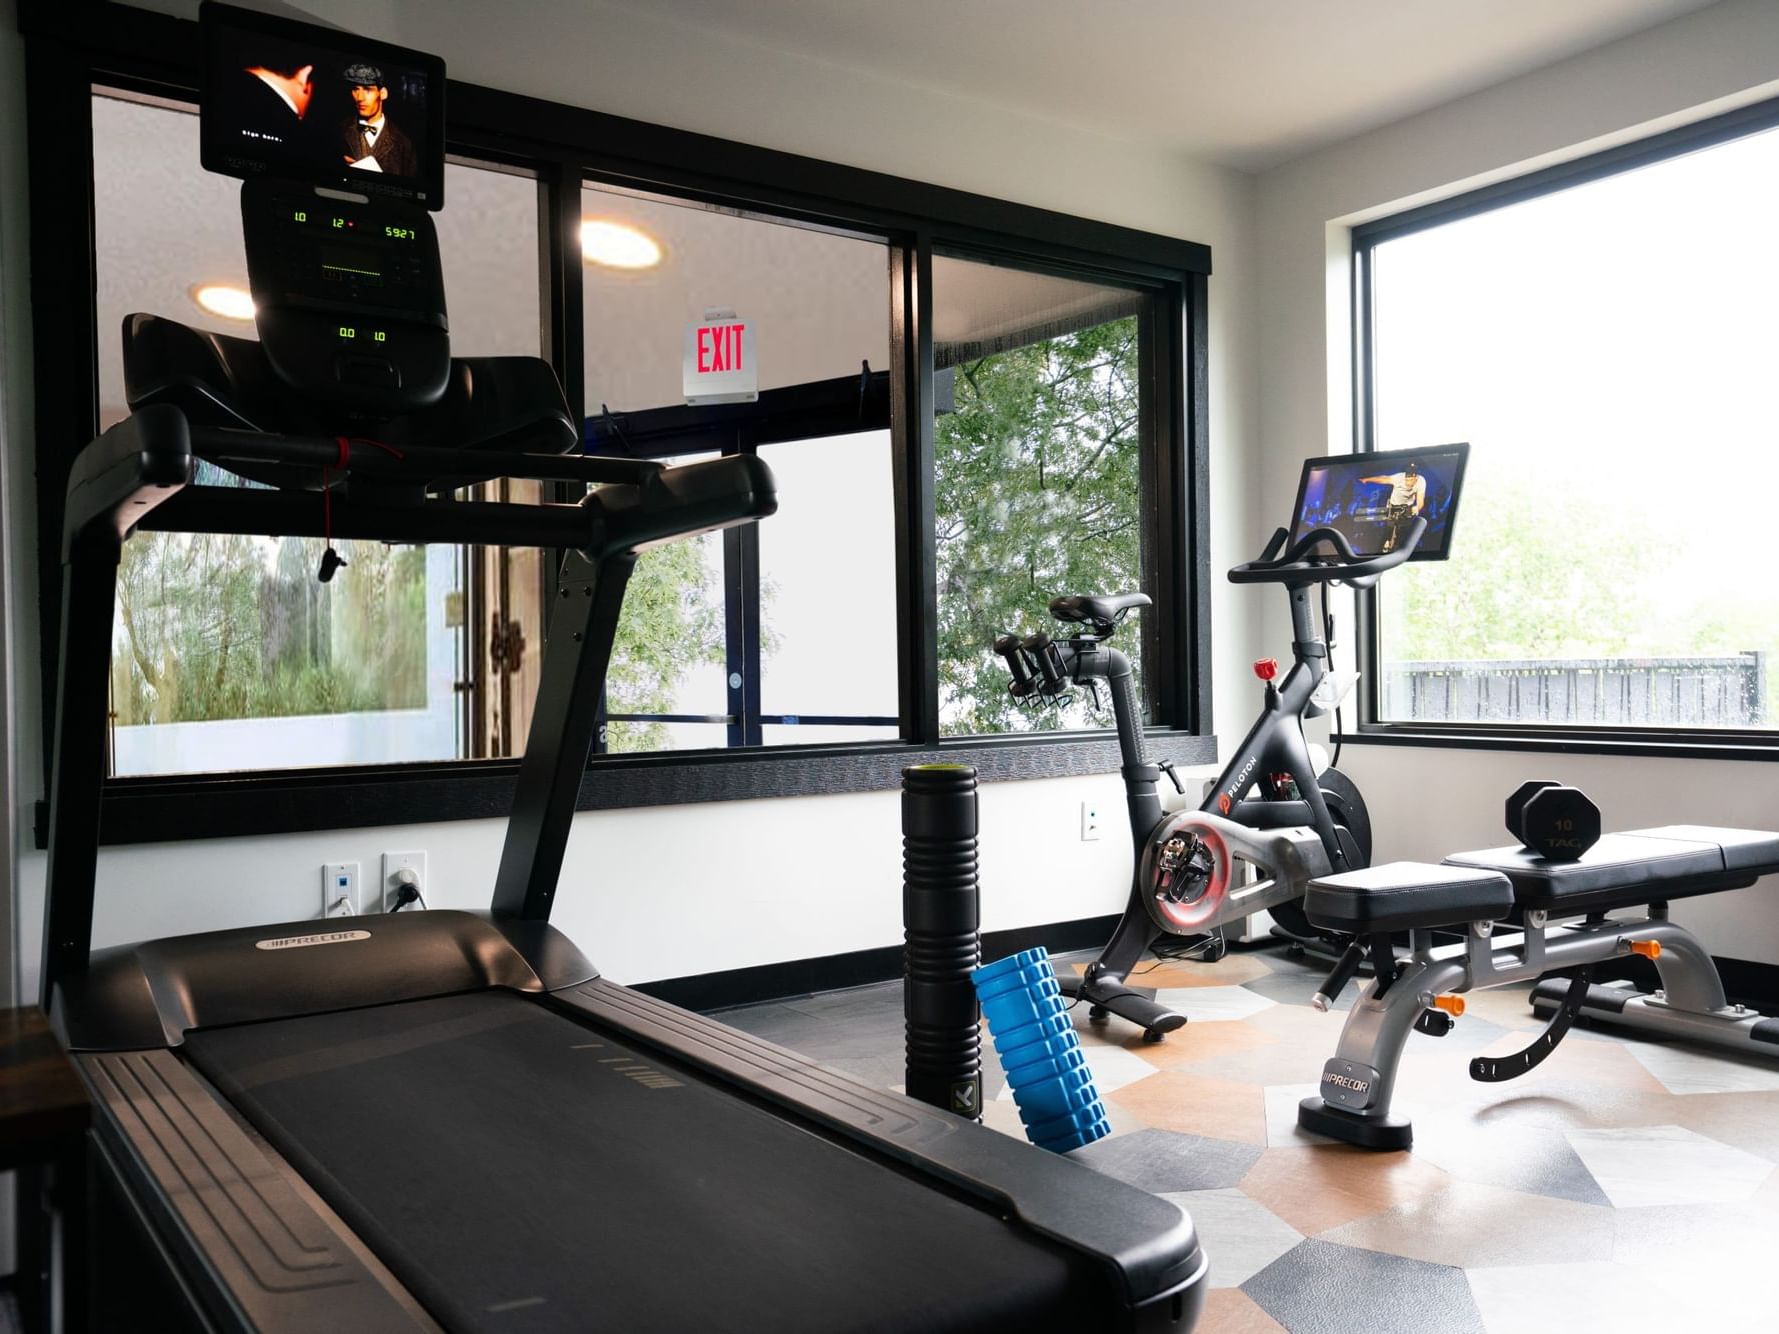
{"points": [[449, 1120]]}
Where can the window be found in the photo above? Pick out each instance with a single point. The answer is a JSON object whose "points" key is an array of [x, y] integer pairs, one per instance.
{"points": [[821, 651], [1038, 477], [1606, 344], [226, 650], [754, 638]]}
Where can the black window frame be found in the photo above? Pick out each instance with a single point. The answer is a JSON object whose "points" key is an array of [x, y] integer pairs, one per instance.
{"points": [[1671, 742], [71, 51]]}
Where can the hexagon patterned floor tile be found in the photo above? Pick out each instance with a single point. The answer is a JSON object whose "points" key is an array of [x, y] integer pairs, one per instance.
{"points": [[1319, 1287], [1192, 1105], [1645, 1165], [1165, 1162], [1468, 1224], [1197, 1042], [1249, 1235], [1622, 1183], [1327, 1185], [1205, 1005], [1683, 1070]]}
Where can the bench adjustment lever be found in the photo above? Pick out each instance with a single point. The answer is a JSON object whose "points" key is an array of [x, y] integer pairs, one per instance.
{"points": [[1494, 1069]]}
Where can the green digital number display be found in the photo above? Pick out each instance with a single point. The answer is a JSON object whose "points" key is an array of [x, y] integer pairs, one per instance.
{"points": [[378, 336], [339, 224], [347, 331], [401, 233], [300, 215]]}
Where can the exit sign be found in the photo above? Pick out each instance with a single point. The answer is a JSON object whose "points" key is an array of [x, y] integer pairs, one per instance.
{"points": [[719, 362]]}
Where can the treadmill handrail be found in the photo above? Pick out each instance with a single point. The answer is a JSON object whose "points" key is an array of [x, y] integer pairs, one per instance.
{"points": [[128, 471], [149, 458], [140, 470], [223, 445]]}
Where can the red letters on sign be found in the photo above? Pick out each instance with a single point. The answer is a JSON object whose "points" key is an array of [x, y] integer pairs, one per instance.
{"points": [[719, 348]]}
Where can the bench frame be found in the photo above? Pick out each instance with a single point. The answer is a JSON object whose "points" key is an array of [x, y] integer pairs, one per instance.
{"points": [[1359, 1081]]}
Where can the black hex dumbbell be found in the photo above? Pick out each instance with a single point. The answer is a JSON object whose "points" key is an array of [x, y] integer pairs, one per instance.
{"points": [[1556, 821]]}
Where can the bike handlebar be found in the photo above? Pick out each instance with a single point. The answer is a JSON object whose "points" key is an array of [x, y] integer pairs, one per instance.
{"points": [[1304, 562], [1025, 682]]}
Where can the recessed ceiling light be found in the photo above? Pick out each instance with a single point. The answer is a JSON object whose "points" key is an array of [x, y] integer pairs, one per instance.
{"points": [[231, 303], [618, 245]]}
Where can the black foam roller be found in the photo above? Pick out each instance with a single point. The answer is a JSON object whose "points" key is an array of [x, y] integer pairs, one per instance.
{"points": [[941, 943]]}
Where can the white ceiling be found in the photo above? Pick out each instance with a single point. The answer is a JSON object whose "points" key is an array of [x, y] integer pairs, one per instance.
{"points": [[1243, 83], [1247, 84]]}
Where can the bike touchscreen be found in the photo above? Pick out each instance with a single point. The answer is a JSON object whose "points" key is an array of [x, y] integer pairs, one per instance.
{"points": [[1373, 499]]}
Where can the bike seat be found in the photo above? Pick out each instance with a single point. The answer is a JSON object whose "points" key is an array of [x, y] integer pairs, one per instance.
{"points": [[1100, 612]]}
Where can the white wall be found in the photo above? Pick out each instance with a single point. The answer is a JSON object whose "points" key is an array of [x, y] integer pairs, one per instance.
{"points": [[1426, 802], [684, 889], [653, 893]]}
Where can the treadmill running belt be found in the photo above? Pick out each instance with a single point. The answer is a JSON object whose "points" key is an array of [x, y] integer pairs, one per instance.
{"points": [[519, 1171]]}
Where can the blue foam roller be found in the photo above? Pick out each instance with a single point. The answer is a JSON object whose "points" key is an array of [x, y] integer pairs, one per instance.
{"points": [[1047, 1072], [1052, 1042], [1065, 1143], [1043, 1065], [1047, 1029], [1070, 1123], [1055, 1096], [1012, 963], [1005, 1013]]}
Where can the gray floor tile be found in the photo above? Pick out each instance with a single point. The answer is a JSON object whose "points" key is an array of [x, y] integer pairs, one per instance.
{"points": [[1321, 1288], [1163, 1161]]}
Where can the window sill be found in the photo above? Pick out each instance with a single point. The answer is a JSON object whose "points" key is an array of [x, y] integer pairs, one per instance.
{"points": [[164, 810], [1682, 746]]}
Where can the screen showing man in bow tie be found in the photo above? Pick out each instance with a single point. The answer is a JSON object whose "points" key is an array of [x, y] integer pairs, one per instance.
{"points": [[371, 141]]}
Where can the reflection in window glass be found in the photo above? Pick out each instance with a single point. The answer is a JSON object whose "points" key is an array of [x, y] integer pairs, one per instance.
{"points": [[828, 570], [703, 615], [1609, 564], [818, 304], [227, 653], [1038, 483], [668, 661]]}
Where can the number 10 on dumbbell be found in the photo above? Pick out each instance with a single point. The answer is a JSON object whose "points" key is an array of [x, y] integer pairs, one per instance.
{"points": [[1554, 820]]}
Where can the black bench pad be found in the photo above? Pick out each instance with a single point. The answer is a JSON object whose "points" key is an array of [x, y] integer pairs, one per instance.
{"points": [[1404, 895], [1625, 870]]}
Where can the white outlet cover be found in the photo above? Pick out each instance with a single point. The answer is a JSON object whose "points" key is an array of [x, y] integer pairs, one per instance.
{"points": [[395, 862], [339, 880]]}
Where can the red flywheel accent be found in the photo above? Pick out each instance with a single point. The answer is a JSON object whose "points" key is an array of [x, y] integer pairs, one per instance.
{"points": [[1200, 913]]}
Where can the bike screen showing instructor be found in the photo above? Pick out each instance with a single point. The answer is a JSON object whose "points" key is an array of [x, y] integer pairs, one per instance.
{"points": [[1373, 499]]}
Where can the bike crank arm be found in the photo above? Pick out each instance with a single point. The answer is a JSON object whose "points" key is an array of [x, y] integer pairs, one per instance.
{"points": [[1190, 877]]}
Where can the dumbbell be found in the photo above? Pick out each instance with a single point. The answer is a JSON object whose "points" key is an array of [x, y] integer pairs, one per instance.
{"points": [[1557, 822]]}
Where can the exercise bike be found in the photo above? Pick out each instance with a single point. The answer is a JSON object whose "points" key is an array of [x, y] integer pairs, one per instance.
{"points": [[1238, 854]]}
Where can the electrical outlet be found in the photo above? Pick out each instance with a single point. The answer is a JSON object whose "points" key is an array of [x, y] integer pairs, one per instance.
{"points": [[394, 863], [1090, 821], [339, 889]]}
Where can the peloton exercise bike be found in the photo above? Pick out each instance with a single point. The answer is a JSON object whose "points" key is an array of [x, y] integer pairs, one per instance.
{"points": [[444, 1119], [1357, 517]]}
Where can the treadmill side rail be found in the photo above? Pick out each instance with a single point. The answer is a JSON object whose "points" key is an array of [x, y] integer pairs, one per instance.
{"points": [[1146, 1244], [278, 1260]]}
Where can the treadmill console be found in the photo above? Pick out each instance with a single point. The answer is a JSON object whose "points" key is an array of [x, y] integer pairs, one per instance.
{"points": [[348, 294], [340, 142]]}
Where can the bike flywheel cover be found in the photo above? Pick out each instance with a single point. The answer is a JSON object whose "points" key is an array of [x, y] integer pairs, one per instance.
{"points": [[1205, 908]]}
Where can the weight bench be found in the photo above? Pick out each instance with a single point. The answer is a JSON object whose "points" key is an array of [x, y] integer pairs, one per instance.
{"points": [[1474, 892]]}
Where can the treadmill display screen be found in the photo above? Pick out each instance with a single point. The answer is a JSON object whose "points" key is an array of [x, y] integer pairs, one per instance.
{"points": [[311, 104], [1372, 499]]}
